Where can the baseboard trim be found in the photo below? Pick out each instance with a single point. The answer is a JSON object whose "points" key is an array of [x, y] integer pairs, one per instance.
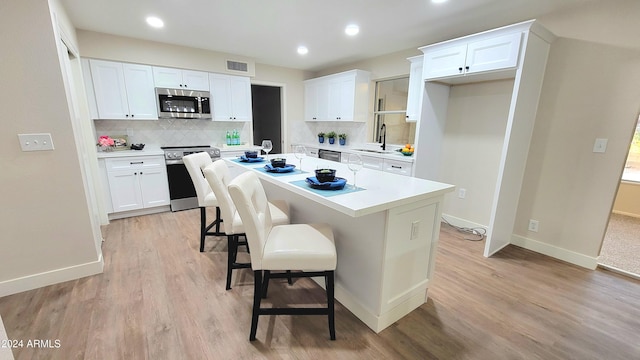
{"points": [[555, 252], [35, 281], [5, 351], [633, 215], [462, 222]]}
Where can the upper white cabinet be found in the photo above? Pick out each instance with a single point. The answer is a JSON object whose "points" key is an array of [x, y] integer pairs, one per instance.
{"points": [[338, 97], [180, 79], [416, 88], [231, 97], [465, 57], [123, 91]]}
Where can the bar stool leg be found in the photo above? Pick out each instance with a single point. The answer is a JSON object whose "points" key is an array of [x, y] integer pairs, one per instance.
{"points": [[257, 292], [329, 283]]}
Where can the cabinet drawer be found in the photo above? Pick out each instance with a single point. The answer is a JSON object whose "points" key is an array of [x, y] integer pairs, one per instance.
{"points": [[371, 162], [129, 163], [397, 167]]}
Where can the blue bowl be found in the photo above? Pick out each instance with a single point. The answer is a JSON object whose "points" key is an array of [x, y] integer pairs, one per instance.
{"points": [[251, 154]]}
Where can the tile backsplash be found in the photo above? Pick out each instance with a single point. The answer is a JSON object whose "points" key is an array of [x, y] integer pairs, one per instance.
{"points": [[173, 132]]}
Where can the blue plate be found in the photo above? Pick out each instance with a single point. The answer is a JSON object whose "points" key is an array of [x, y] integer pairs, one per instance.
{"points": [[284, 169], [246, 159], [337, 184]]}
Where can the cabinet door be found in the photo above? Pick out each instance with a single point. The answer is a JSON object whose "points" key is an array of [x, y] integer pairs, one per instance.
{"points": [[125, 190], [140, 91], [109, 88], [312, 152], [154, 187], [240, 98], [341, 99], [397, 167], [311, 101], [220, 87], [493, 54], [371, 162], [445, 62], [167, 77], [195, 80], [416, 88]]}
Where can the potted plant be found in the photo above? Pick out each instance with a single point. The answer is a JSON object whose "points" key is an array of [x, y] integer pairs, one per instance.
{"points": [[321, 137], [332, 137], [342, 138]]}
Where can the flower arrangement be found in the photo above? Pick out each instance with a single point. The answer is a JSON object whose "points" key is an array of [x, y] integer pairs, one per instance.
{"points": [[332, 137], [342, 138], [321, 137], [106, 143]]}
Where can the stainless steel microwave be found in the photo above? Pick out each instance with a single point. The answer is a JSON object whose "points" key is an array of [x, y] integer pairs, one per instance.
{"points": [[183, 104]]}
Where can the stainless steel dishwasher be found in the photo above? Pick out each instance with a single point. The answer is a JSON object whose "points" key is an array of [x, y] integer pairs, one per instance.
{"points": [[329, 155]]}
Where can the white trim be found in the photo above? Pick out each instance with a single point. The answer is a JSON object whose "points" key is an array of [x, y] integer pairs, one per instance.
{"points": [[633, 215], [284, 130], [462, 222], [35, 281], [555, 252]]}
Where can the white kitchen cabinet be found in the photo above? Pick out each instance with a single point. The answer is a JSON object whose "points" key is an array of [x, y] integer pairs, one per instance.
{"points": [[180, 79], [416, 89], [371, 162], [137, 182], [338, 97], [397, 167], [467, 57], [231, 97], [123, 91]]}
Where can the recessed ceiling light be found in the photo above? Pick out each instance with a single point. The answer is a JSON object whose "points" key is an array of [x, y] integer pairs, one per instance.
{"points": [[438, 1], [155, 22], [352, 30], [302, 50]]}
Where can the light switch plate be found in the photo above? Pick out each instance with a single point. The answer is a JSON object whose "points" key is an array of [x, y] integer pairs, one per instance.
{"points": [[600, 145], [35, 142]]}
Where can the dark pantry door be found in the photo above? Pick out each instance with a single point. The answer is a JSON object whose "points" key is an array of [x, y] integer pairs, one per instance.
{"points": [[267, 116]]}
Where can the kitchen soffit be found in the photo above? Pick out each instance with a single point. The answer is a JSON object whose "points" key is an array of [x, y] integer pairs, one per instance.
{"points": [[270, 31]]}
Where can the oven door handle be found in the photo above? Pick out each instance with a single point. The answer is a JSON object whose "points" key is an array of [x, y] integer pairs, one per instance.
{"points": [[174, 162]]}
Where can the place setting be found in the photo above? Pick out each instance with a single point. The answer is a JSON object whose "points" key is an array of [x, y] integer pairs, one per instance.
{"points": [[249, 157], [326, 183]]}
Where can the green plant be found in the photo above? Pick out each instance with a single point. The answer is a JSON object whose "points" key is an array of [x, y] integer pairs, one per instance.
{"points": [[320, 134], [342, 136], [331, 134]]}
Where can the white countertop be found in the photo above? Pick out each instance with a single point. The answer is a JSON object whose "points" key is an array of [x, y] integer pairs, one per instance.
{"points": [[391, 154], [383, 191]]}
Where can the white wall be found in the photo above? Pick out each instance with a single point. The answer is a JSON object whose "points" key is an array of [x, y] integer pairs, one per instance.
{"points": [[474, 133], [46, 229], [590, 91]]}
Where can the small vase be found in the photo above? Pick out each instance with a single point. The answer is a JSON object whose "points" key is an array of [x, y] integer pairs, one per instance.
{"points": [[332, 140], [321, 139], [106, 148], [342, 141]]}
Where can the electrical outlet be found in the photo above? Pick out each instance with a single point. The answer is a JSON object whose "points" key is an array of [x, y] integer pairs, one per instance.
{"points": [[534, 225], [462, 193], [35, 142]]}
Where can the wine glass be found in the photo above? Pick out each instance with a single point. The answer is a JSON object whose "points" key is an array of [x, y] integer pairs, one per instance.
{"points": [[267, 146], [355, 164], [300, 152]]}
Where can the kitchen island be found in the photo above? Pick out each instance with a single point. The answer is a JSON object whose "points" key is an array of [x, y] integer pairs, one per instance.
{"points": [[386, 232]]}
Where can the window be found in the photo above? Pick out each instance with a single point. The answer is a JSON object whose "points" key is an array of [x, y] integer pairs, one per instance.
{"points": [[632, 167], [390, 109]]}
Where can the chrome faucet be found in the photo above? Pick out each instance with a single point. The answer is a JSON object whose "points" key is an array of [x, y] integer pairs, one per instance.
{"points": [[383, 137]]}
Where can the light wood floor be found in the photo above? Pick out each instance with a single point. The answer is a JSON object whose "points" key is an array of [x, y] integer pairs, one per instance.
{"points": [[159, 298]]}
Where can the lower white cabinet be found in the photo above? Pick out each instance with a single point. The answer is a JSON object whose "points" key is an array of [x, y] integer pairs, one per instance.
{"points": [[137, 182]]}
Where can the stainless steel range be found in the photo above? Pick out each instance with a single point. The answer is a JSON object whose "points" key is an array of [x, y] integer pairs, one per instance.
{"points": [[181, 191]]}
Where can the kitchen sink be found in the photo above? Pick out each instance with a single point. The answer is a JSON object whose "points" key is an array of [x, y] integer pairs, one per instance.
{"points": [[375, 151]]}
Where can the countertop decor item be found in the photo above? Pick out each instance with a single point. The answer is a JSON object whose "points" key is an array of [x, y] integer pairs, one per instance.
{"points": [[337, 183], [251, 154], [342, 138], [137, 146], [278, 162], [332, 137], [321, 137], [325, 175]]}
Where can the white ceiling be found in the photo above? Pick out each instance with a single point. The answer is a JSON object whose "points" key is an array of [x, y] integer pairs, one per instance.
{"points": [[270, 31]]}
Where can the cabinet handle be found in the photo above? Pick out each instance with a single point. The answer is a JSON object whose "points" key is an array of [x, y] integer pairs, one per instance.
{"points": [[136, 162], [132, 115], [460, 69], [140, 172], [393, 166], [466, 67], [135, 173], [127, 115]]}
